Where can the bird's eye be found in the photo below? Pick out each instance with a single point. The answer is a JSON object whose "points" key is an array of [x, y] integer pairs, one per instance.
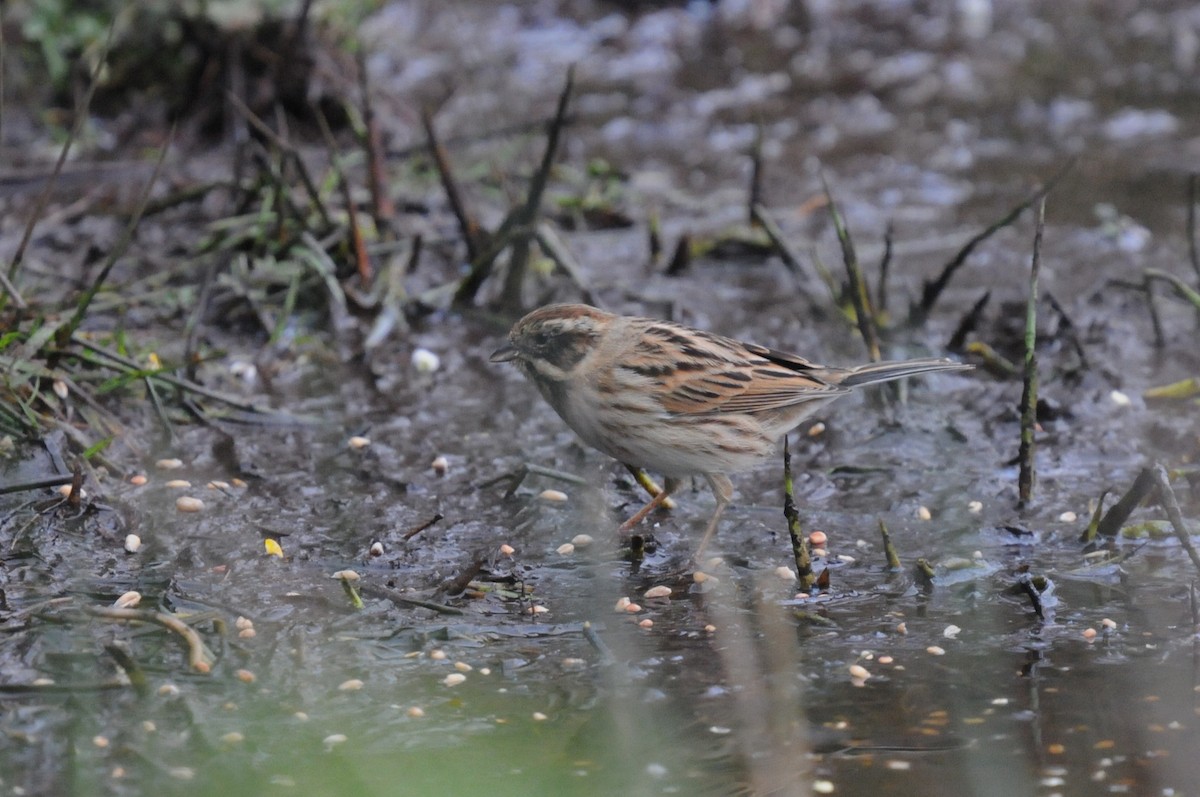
{"points": [[541, 338]]}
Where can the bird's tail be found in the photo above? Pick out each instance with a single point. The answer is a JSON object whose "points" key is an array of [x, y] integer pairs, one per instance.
{"points": [[897, 369]]}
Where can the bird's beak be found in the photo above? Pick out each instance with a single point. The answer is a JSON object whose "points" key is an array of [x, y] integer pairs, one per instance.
{"points": [[504, 354]]}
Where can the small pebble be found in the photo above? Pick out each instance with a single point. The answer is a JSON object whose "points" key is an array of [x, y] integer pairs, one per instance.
{"points": [[633, 608], [975, 507], [186, 503], [923, 513], [647, 623], [1068, 517], [242, 623], [178, 484], [554, 496], [169, 464], [582, 540], [859, 672], [818, 538], [462, 666], [437, 655], [1120, 399], [539, 717], [138, 479], [454, 679], [886, 659], [133, 543], [440, 465], [507, 549], [710, 629], [416, 712], [128, 600], [357, 443], [425, 361], [1089, 634], [100, 741], [245, 676], [660, 591], [566, 549], [353, 685], [934, 650], [247, 633]]}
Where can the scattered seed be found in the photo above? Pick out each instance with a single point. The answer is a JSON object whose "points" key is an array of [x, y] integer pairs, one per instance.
{"points": [[178, 484], [1056, 749], [454, 679], [185, 503], [571, 663], [647, 623], [425, 361], [934, 650], [1108, 623], [138, 479], [416, 712], [822, 786], [353, 685], [1089, 634], [537, 609], [820, 552], [181, 773], [886, 659], [975, 507], [376, 548], [357, 443], [1068, 517], [128, 600], [566, 549], [346, 575], [133, 543], [923, 513], [462, 666], [845, 558], [554, 496], [217, 484], [437, 654], [660, 591], [247, 633], [440, 465], [169, 464], [714, 563], [633, 608], [951, 632], [100, 741], [818, 538], [901, 628], [507, 549], [60, 389], [582, 540], [168, 690], [232, 738], [246, 677], [859, 672], [333, 740], [65, 490], [302, 716], [785, 573], [710, 629], [897, 765], [539, 717], [622, 602], [1120, 399], [238, 483], [701, 577], [817, 429]]}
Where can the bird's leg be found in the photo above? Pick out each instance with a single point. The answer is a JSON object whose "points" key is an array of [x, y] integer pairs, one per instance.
{"points": [[670, 485], [723, 491]]}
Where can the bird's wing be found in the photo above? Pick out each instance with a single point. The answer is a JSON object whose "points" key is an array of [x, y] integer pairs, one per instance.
{"points": [[699, 373]]}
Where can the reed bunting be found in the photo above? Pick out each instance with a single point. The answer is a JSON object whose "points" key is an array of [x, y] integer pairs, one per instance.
{"points": [[677, 400]]}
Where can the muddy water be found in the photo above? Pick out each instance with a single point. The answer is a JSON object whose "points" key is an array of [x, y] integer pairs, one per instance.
{"points": [[937, 121]]}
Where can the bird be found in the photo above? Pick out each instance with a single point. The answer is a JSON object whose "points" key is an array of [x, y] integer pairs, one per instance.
{"points": [[680, 401]]}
